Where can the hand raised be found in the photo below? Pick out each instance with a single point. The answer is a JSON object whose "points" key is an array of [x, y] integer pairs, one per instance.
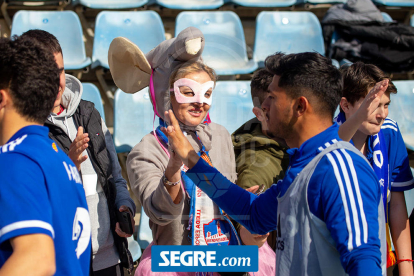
{"points": [[178, 142], [77, 147], [372, 100]]}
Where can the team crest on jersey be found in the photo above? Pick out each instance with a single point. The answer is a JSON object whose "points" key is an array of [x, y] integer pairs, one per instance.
{"points": [[54, 147], [81, 230], [217, 232]]}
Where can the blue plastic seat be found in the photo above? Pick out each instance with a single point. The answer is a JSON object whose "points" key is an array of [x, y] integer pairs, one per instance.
{"points": [[134, 248], [225, 47], [91, 93], [112, 4], [133, 117], [264, 3], [65, 25], [287, 32], [395, 3], [316, 2], [232, 104], [400, 110], [191, 4], [409, 198], [144, 232], [144, 28]]}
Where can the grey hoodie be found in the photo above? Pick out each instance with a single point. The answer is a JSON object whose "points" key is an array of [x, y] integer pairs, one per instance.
{"points": [[104, 251]]}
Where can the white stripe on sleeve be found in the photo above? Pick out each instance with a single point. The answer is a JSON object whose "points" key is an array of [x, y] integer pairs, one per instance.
{"points": [[344, 202], [27, 224]]}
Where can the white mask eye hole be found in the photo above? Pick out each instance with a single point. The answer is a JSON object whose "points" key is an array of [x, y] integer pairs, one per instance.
{"points": [[187, 91]]}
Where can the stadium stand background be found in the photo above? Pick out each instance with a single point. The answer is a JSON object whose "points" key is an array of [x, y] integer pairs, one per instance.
{"points": [[98, 22]]}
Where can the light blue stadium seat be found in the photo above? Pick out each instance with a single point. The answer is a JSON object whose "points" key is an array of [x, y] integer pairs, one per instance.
{"points": [[133, 117], [287, 32], [91, 93], [395, 3], [65, 25], [144, 28], [401, 108], [134, 248], [144, 232], [225, 47], [264, 3], [191, 4], [112, 4], [386, 17], [317, 2], [409, 198], [412, 21], [232, 104]]}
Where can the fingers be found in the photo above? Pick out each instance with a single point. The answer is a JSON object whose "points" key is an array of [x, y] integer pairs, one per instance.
{"points": [[121, 233], [253, 189], [80, 131], [173, 121]]}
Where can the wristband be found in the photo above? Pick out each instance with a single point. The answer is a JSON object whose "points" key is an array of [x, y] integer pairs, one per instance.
{"points": [[169, 183], [404, 260]]}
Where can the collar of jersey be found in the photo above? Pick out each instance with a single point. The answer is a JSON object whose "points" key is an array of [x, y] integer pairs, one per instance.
{"points": [[309, 148], [32, 129]]}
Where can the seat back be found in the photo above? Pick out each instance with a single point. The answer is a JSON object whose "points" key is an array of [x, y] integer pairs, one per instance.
{"points": [[144, 28], [225, 47], [91, 93], [287, 32], [144, 237], [64, 25], [133, 119], [264, 3], [112, 4], [232, 104], [191, 4], [400, 110]]}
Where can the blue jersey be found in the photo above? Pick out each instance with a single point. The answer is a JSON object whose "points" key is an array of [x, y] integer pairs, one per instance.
{"points": [[42, 193], [343, 192], [400, 172]]}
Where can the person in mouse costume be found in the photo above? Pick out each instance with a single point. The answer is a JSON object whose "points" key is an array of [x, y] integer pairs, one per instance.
{"points": [[178, 80]]}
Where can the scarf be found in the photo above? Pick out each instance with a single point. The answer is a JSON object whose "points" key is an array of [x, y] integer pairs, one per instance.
{"points": [[377, 156], [207, 223]]}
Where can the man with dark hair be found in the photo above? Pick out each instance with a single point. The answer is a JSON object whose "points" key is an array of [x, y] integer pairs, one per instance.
{"points": [[39, 235], [327, 210], [260, 160], [378, 137], [93, 153]]}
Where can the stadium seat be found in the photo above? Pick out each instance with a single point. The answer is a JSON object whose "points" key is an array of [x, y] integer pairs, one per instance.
{"points": [[395, 3], [144, 232], [400, 110], [134, 248], [191, 4], [225, 48], [91, 93], [65, 25], [144, 28], [264, 3], [232, 104], [318, 2], [409, 198], [133, 117], [112, 4], [412, 21], [288, 32]]}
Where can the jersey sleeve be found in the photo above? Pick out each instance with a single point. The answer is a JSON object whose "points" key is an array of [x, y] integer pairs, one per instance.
{"points": [[24, 203], [258, 216], [400, 172], [345, 195]]}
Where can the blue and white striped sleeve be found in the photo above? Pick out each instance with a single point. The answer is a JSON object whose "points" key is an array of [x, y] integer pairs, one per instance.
{"points": [[24, 202], [348, 198], [400, 171]]}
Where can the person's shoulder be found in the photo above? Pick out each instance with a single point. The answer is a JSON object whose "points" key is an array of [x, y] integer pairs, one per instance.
{"points": [[217, 128], [390, 128]]}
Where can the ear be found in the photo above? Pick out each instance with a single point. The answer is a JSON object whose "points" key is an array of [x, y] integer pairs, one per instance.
{"points": [[3, 98], [258, 113], [345, 105], [302, 105]]}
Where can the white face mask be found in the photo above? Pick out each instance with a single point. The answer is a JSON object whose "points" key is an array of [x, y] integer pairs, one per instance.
{"points": [[198, 89]]}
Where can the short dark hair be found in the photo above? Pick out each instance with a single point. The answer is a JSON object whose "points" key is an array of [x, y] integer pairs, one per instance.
{"points": [[359, 78], [31, 75], [311, 75], [259, 86], [45, 39]]}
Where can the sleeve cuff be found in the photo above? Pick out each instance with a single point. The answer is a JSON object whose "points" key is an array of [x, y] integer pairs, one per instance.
{"points": [[26, 227]]}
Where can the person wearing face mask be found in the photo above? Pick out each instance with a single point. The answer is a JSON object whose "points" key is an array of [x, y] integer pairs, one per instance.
{"points": [[365, 124]]}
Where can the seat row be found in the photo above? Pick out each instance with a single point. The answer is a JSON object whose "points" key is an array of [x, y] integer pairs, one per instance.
{"points": [[196, 4], [225, 49]]}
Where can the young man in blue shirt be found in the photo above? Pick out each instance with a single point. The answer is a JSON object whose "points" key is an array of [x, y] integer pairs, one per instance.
{"points": [[44, 221], [327, 210]]}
